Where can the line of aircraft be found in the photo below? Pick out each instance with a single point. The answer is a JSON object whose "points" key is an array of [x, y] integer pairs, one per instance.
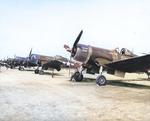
{"points": [[40, 61], [93, 59]]}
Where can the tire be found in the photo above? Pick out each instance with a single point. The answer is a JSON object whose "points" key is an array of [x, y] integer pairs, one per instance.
{"points": [[78, 77], [21, 69], [41, 72], [36, 71], [101, 80], [12, 67]]}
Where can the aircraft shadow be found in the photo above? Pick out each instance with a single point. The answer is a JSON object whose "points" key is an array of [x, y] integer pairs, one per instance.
{"points": [[126, 84], [122, 83], [23, 70], [28, 70], [49, 73]]}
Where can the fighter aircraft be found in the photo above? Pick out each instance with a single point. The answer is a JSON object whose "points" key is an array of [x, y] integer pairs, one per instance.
{"points": [[8, 62], [17, 61], [97, 60], [23, 62], [20, 62], [2, 62], [46, 62]]}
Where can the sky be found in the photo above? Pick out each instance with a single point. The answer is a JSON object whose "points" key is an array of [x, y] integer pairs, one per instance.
{"points": [[46, 25]]}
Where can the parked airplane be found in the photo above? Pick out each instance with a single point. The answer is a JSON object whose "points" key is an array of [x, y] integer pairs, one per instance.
{"points": [[42, 62], [17, 61], [24, 62], [8, 62], [20, 62], [97, 60], [46, 62]]}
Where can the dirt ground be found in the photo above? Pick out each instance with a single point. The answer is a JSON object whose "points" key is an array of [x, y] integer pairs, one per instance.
{"points": [[25, 96]]}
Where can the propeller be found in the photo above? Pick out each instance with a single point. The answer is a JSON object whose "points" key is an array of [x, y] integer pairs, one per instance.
{"points": [[77, 39], [30, 54], [29, 57], [74, 46]]}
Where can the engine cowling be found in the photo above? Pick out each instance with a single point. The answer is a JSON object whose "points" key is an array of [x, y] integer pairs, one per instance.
{"points": [[81, 53]]}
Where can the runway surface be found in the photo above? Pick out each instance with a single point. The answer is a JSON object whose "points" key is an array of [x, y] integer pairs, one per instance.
{"points": [[25, 96]]}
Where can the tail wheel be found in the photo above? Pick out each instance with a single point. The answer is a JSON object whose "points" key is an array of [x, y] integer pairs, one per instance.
{"points": [[101, 80], [78, 77]]}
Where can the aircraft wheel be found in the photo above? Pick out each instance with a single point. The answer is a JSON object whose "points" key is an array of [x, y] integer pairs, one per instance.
{"points": [[12, 67], [21, 69], [36, 71], [101, 80], [41, 72], [78, 76]]}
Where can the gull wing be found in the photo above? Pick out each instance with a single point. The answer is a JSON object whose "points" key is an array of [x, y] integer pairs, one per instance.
{"points": [[135, 64]]}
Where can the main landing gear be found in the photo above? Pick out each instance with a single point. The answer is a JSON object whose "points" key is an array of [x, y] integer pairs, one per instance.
{"points": [[39, 70], [100, 80], [12, 66], [21, 68], [78, 76], [36, 71]]}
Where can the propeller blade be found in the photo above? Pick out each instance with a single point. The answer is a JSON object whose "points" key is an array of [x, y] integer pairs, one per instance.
{"points": [[30, 54], [29, 57], [67, 48], [78, 38]]}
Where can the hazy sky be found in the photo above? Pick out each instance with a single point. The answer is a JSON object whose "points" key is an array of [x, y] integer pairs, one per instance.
{"points": [[46, 25]]}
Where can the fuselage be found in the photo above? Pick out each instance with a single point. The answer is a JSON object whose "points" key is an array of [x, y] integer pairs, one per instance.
{"points": [[87, 54], [93, 55]]}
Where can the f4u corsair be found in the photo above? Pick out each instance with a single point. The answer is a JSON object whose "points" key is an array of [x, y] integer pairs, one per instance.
{"points": [[46, 62], [42, 62], [21, 61], [97, 60]]}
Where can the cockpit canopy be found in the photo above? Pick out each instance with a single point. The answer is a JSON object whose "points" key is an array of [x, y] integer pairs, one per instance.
{"points": [[127, 52]]}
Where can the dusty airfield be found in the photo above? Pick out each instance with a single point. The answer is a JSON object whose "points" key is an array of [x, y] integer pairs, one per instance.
{"points": [[25, 96]]}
